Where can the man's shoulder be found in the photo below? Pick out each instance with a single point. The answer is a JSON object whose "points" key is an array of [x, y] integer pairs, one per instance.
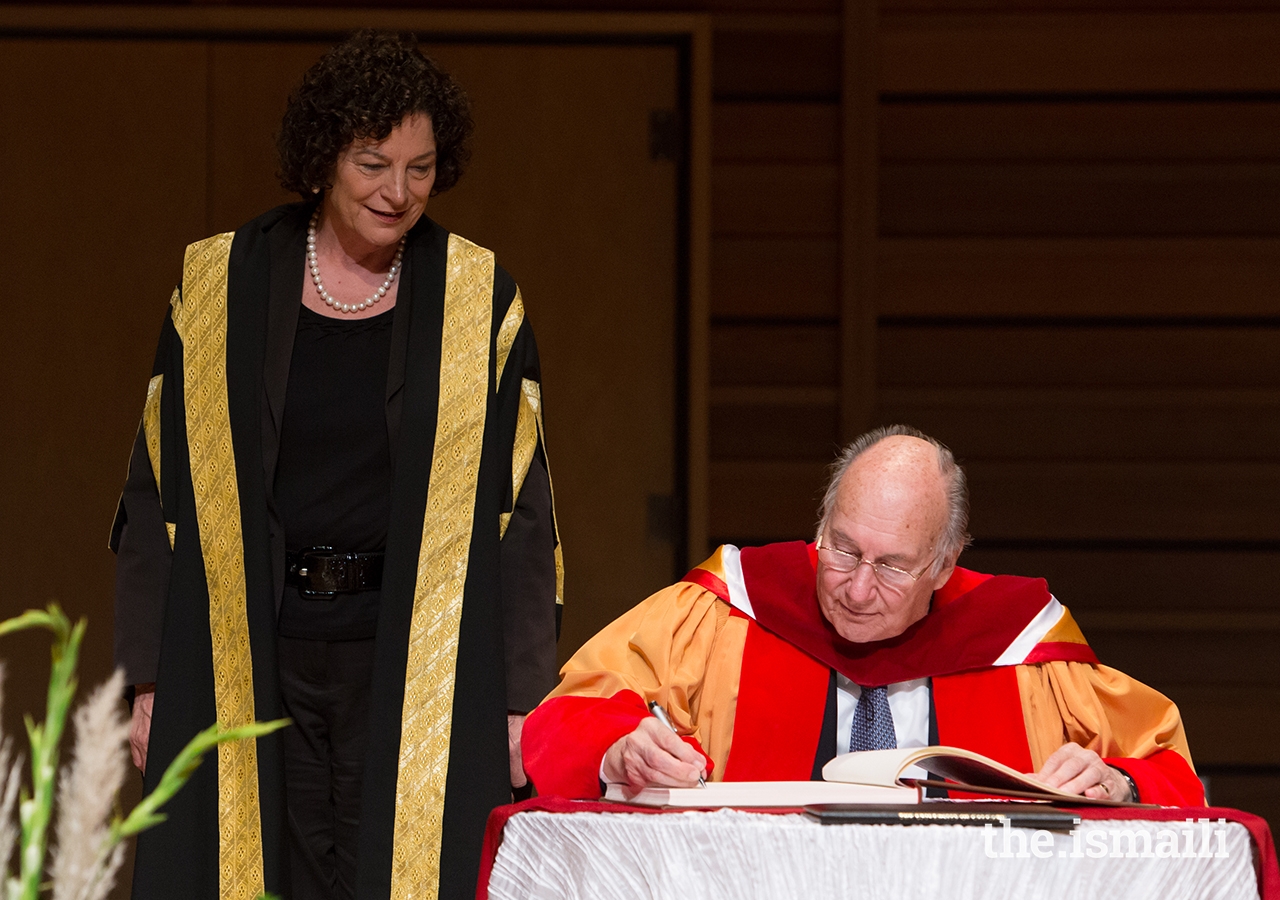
{"points": [[962, 581], [966, 583], [1049, 633]]}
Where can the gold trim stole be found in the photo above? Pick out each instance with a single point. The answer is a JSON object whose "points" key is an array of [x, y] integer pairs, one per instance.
{"points": [[151, 431], [426, 717], [531, 393], [200, 318], [526, 439], [151, 427], [529, 431]]}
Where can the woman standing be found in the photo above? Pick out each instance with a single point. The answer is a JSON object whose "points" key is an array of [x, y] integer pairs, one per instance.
{"points": [[338, 510]]}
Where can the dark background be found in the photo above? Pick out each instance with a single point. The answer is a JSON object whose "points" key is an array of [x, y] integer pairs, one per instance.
{"points": [[1045, 232]]}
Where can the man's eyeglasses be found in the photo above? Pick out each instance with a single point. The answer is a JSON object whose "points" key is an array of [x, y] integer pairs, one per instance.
{"points": [[890, 576]]}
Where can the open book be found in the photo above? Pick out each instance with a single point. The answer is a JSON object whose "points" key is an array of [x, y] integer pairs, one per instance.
{"points": [[963, 770], [867, 777], [764, 793]]}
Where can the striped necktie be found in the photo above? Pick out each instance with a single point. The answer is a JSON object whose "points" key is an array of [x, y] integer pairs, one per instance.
{"points": [[873, 722]]}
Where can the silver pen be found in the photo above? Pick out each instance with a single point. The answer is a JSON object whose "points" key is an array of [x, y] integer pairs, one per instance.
{"points": [[661, 715]]}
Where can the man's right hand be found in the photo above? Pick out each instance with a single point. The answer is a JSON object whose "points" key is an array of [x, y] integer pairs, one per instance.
{"points": [[140, 725], [653, 754]]}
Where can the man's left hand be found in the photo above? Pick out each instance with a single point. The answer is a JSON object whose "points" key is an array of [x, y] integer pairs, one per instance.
{"points": [[1075, 770]]}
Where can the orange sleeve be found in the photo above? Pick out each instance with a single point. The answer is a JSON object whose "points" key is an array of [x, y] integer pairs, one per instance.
{"points": [[1114, 715], [657, 648], [679, 647]]}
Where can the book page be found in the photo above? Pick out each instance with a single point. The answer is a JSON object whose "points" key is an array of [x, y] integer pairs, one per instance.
{"points": [[882, 767], [972, 768], [879, 767]]}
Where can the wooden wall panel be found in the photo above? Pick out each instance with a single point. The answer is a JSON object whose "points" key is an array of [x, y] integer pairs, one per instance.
{"points": [[774, 200], [1231, 725], [1076, 282], [1047, 501], [1100, 52], [1069, 6], [1102, 424], [757, 502], [778, 355], [1078, 289], [774, 278], [774, 342], [561, 150], [1222, 658], [776, 132], [1068, 200], [247, 97], [1106, 129], [792, 7], [1062, 355], [1095, 278], [1237, 787], [860, 188], [756, 430], [513, 6], [1119, 501], [786, 58], [1097, 580], [101, 149]]}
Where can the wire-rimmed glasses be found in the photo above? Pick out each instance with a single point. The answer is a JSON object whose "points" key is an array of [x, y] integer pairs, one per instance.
{"points": [[890, 576]]}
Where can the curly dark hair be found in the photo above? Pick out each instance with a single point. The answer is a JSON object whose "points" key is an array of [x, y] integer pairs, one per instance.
{"points": [[361, 89]]}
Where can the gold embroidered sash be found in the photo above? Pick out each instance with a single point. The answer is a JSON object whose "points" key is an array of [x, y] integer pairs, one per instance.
{"points": [[426, 719], [151, 427], [200, 317], [507, 331], [151, 433], [529, 430], [526, 440], [531, 398]]}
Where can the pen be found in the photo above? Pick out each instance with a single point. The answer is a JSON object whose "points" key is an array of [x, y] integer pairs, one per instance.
{"points": [[661, 715]]}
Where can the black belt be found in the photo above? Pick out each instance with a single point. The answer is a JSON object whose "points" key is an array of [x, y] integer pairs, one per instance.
{"points": [[320, 573]]}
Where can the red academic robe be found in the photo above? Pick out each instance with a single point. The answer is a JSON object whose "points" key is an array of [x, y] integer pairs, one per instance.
{"points": [[979, 630]]}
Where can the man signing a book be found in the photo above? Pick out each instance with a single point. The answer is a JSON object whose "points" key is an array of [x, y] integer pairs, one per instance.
{"points": [[769, 661]]}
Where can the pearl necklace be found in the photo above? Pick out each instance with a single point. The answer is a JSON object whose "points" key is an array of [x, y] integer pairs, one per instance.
{"points": [[314, 265]]}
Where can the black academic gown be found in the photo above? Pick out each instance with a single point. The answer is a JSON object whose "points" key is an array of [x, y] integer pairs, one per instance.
{"points": [[511, 586]]}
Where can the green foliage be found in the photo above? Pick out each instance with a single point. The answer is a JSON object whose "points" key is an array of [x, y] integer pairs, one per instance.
{"points": [[145, 814], [35, 807]]}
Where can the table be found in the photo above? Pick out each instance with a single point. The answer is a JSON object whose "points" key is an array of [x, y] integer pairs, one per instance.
{"points": [[549, 848]]}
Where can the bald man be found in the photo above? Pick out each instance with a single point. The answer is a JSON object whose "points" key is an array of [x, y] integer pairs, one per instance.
{"points": [[771, 660]]}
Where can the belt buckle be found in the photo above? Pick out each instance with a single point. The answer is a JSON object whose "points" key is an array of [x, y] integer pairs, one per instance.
{"points": [[309, 563]]}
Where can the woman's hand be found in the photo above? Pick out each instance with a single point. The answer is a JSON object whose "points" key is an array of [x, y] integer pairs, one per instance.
{"points": [[144, 696]]}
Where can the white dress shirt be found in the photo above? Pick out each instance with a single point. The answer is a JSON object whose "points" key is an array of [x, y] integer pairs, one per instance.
{"points": [[909, 703]]}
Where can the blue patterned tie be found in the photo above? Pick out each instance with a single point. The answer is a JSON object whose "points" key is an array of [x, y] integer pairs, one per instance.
{"points": [[873, 722]]}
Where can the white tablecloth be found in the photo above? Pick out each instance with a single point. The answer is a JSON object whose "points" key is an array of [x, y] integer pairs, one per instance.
{"points": [[739, 855]]}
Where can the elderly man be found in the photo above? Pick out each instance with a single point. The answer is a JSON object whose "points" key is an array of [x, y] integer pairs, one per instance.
{"points": [[771, 660]]}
